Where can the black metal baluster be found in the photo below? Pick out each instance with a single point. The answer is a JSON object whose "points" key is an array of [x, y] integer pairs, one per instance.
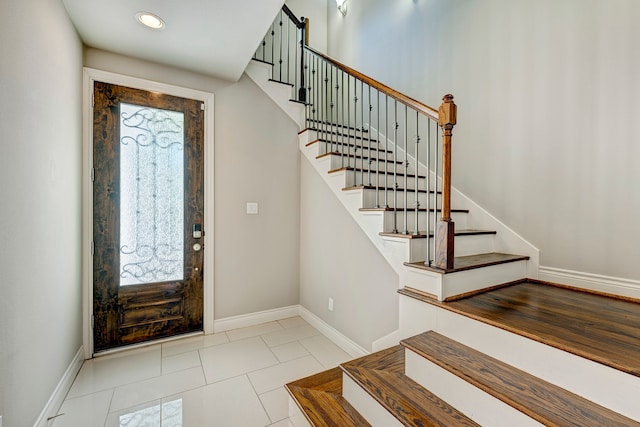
{"points": [[273, 42], [378, 145], [337, 87], [332, 106], [304, 61], [415, 180], [435, 192], [355, 181], [288, 50], [386, 144], [395, 167], [296, 88], [369, 135], [280, 54], [361, 146], [406, 171]]}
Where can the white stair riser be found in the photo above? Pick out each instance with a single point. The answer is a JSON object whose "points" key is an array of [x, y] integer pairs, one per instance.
{"points": [[459, 218], [462, 282], [470, 400], [296, 416], [601, 384], [338, 161], [474, 244], [376, 198], [338, 132], [353, 147], [466, 281], [463, 246], [366, 405], [382, 179]]}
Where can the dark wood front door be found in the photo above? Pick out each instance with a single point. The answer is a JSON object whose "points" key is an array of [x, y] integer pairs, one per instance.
{"points": [[148, 213]]}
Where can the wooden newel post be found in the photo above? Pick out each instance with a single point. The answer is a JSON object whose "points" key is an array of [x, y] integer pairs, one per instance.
{"points": [[445, 230]]}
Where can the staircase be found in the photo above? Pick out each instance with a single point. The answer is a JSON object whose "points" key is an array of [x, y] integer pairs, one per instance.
{"points": [[526, 354], [480, 340]]}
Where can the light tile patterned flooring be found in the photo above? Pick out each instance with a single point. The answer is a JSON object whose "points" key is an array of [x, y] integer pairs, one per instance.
{"points": [[229, 379]]}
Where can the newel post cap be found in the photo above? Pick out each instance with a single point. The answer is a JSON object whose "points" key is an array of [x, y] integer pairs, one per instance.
{"points": [[447, 113]]}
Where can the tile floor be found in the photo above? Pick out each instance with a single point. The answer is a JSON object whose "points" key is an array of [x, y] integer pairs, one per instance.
{"points": [[234, 378]]}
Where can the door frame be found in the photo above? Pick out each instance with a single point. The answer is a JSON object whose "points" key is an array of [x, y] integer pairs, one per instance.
{"points": [[89, 76]]}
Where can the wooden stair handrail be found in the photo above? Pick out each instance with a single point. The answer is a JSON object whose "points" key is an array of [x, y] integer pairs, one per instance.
{"points": [[446, 117], [392, 93], [292, 16]]}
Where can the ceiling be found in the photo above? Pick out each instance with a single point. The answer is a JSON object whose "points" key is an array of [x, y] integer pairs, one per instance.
{"points": [[214, 37]]}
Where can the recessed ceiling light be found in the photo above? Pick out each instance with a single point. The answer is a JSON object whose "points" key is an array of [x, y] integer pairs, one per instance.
{"points": [[150, 20]]}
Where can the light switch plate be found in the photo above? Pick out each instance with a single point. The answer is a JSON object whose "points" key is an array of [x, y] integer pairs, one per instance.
{"points": [[252, 208]]}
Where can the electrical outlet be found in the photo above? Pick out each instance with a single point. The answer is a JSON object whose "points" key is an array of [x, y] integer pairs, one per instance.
{"points": [[330, 305], [252, 208]]}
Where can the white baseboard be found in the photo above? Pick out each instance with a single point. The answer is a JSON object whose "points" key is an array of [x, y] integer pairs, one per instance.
{"points": [[386, 341], [611, 285], [252, 319], [342, 341], [61, 390]]}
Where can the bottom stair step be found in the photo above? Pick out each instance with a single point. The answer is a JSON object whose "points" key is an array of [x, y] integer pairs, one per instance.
{"points": [[538, 399], [382, 376], [319, 397]]}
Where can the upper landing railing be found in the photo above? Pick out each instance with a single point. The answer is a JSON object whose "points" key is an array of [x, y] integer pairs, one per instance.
{"points": [[396, 148]]}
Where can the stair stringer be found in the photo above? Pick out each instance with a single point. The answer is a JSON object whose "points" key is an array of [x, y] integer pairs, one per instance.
{"points": [[280, 93], [506, 240], [601, 384]]}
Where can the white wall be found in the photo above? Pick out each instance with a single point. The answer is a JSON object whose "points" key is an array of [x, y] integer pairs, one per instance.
{"points": [[316, 11], [338, 260], [547, 96], [256, 160], [40, 170]]}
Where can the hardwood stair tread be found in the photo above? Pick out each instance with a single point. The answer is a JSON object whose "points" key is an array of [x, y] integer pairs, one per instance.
{"points": [[373, 187], [409, 210], [263, 61], [597, 327], [470, 262], [422, 235], [281, 82], [321, 135], [319, 398], [542, 401], [361, 147], [324, 122], [358, 156], [349, 168], [381, 375]]}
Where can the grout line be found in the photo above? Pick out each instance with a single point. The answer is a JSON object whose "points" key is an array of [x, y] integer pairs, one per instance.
{"points": [[113, 392], [204, 374]]}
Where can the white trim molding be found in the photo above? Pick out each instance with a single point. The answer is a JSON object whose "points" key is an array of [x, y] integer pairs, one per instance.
{"points": [[252, 319], [89, 76], [337, 337], [64, 385], [594, 282]]}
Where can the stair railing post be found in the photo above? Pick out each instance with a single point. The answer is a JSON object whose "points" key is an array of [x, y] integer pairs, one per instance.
{"points": [[304, 41], [447, 117]]}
